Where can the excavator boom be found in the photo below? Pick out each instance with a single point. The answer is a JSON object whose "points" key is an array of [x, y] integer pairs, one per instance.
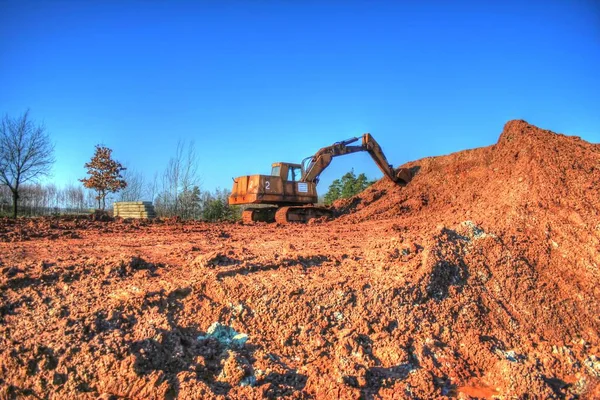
{"points": [[314, 165]]}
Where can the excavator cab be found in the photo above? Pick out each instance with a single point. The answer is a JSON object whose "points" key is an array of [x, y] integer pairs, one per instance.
{"points": [[287, 171], [284, 186]]}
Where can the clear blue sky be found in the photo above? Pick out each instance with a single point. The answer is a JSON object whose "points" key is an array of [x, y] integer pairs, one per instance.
{"points": [[261, 81]]}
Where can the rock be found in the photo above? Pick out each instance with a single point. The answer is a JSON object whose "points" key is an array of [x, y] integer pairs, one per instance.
{"points": [[593, 365], [212, 260], [237, 370], [225, 335], [239, 340]]}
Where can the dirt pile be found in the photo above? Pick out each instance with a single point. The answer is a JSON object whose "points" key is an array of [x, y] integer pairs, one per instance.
{"points": [[538, 194], [529, 171], [478, 279]]}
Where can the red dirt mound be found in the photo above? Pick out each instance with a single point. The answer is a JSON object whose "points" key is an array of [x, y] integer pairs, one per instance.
{"points": [[532, 204], [529, 171], [479, 279]]}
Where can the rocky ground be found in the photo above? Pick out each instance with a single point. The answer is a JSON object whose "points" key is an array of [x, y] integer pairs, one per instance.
{"points": [[480, 279]]}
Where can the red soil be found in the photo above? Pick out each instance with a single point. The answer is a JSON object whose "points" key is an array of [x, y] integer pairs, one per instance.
{"points": [[479, 279]]}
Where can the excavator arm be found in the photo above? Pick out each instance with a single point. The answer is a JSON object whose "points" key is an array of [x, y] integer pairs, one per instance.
{"points": [[314, 165]]}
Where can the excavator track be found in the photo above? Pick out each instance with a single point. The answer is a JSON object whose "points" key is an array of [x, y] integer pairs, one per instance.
{"points": [[263, 214], [286, 215], [247, 217], [281, 215]]}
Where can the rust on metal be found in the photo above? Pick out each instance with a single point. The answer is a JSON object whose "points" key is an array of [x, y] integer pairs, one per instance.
{"points": [[293, 187]]}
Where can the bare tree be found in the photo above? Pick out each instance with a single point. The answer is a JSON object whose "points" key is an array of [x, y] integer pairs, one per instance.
{"points": [[5, 199], [180, 176], [26, 153], [136, 186], [152, 189]]}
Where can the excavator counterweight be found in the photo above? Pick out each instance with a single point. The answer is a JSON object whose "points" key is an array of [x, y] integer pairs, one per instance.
{"points": [[290, 192]]}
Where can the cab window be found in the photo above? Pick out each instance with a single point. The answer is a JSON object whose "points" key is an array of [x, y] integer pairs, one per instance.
{"points": [[293, 174], [275, 171]]}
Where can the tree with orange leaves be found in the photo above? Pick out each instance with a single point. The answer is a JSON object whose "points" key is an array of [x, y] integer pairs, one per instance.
{"points": [[104, 175]]}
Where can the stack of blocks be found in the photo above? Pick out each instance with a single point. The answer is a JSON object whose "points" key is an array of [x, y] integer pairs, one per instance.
{"points": [[134, 209]]}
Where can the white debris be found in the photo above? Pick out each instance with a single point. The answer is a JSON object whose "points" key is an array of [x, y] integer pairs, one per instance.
{"points": [[225, 335]]}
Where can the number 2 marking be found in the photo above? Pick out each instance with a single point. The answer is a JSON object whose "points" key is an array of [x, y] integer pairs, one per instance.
{"points": [[268, 185]]}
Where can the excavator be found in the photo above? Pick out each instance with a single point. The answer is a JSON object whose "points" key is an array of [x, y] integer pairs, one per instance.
{"points": [[289, 194]]}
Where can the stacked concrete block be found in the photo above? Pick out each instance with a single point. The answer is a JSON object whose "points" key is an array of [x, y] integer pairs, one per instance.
{"points": [[134, 209]]}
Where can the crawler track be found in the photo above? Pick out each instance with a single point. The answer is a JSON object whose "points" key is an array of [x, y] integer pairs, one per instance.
{"points": [[300, 214]]}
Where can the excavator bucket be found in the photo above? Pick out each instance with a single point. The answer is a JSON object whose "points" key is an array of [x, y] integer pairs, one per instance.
{"points": [[403, 176]]}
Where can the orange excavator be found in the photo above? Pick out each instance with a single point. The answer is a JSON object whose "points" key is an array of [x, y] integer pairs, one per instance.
{"points": [[289, 194]]}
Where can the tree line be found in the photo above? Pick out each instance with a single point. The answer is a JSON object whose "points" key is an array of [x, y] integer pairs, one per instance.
{"points": [[27, 154], [49, 199], [347, 186]]}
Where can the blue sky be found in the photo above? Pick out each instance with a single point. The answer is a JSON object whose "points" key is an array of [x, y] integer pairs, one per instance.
{"points": [[262, 81]]}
